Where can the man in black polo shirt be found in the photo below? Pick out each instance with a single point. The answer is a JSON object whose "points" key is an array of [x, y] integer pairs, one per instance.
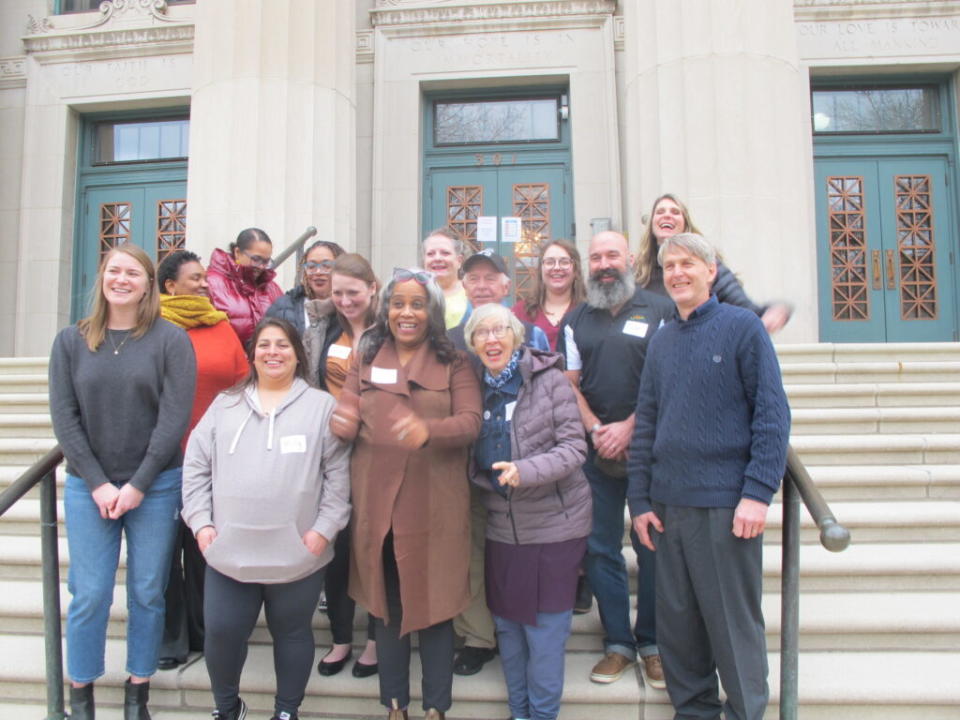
{"points": [[605, 341]]}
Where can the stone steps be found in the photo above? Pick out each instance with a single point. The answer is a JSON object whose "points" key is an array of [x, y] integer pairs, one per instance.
{"points": [[879, 430]]}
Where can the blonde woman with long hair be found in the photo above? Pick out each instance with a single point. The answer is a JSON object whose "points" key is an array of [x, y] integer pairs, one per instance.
{"points": [[121, 390]]}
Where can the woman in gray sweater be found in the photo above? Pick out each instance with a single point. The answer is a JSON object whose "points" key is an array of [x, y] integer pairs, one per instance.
{"points": [[266, 489], [538, 502], [121, 390]]}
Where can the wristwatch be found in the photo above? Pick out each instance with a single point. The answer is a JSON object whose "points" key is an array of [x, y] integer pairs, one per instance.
{"points": [[596, 426]]}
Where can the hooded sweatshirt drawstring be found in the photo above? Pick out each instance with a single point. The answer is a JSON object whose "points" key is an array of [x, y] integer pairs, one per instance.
{"points": [[236, 438], [255, 407]]}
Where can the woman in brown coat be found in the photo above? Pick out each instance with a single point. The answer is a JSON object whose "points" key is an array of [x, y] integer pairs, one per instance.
{"points": [[412, 405]]}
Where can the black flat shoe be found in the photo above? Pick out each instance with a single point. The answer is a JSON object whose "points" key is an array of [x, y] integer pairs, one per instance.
{"points": [[332, 668], [169, 663], [470, 660], [362, 670]]}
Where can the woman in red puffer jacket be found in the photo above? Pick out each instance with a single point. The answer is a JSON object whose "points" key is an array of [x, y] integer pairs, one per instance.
{"points": [[241, 281]]}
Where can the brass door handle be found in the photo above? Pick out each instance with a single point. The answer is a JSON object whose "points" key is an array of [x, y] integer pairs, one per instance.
{"points": [[891, 281], [877, 281]]}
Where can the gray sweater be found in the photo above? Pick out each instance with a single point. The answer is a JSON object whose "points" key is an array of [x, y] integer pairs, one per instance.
{"points": [[263, 479], [120, 416]]}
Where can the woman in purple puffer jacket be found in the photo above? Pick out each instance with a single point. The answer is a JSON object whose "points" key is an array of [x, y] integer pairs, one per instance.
{"points": [[528, 460]]}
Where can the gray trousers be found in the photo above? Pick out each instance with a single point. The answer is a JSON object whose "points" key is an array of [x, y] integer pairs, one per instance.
{"points": [[709, 619]]}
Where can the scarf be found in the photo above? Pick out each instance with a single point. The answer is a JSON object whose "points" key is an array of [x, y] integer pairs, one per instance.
{"points": [[505, 375], [189, 311]]}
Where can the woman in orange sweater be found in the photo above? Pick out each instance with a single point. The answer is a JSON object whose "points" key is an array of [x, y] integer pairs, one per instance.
{"points": [[221, 363]]}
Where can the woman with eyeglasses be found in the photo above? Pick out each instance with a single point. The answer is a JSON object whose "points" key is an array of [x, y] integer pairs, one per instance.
{"points": [[558, 288], [411, 406], [241, 281], [308, 307], [527, 463]]}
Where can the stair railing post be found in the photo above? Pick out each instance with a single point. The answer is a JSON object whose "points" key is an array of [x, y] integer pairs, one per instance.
{"points": [[51, 596], [789, 600]]}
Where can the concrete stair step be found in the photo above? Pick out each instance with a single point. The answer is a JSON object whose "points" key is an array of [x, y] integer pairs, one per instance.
{"points": [[913, 394], [24, 452], [832, 684], [24, 402], [870, 372], [21, 365], [868, 352], [865, 420], [25, 425], [886, 482], [880, 522], [872, 449], [27, 382]]}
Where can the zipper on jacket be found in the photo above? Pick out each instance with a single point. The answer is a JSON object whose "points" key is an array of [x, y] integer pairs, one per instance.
{"points": [[562, 503]]}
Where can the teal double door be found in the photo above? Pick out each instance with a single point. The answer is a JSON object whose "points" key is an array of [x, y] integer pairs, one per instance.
{"points": [[150, 212], [887, 247], [473, 200]]}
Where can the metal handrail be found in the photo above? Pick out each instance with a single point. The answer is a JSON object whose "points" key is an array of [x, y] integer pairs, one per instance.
{"points": [[798, 485], [44, 473], [295, 247]]}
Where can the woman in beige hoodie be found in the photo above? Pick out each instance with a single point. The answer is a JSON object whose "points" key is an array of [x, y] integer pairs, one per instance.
{"points": [[265, 492]]}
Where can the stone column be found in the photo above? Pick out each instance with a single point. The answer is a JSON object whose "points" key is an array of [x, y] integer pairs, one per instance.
{"points": [[272, 123], [716, 111]]}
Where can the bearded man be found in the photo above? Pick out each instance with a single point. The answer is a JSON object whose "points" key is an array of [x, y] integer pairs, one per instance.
{"points": [[604, 341]]}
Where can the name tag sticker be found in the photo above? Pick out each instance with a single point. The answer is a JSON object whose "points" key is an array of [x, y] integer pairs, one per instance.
{"points": [[635, 328], [508, 410], [383, 376], [293, 444], [339, 351]]}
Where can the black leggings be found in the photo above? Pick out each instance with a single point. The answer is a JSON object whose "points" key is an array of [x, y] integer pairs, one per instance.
{"points": [[230, 610], [393, 651], [340, 606]]}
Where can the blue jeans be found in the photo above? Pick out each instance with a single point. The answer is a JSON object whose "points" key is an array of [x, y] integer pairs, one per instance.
{"points": [[532, 658], [607, 571], [94, 545]]}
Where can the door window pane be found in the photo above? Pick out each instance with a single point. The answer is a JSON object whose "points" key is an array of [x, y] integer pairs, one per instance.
{"points": [[141, 141], [496, 121], [876, 110]]}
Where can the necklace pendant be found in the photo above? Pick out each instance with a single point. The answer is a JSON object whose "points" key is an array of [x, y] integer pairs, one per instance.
{"points": [[116, 352]]}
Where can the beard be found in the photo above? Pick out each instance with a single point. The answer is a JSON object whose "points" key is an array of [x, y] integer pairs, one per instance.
{"points": [[606, 296]]}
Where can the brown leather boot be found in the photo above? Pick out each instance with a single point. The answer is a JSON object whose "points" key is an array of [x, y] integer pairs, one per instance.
{"points": [[434, 715]]}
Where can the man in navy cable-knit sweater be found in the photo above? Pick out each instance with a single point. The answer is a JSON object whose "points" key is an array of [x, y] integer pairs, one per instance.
{"points": [[707, 455]]}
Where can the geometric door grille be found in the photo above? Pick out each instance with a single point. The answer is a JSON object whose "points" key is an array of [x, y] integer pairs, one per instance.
{"points": [[531, 203], [848, 248], [915, 247], [114, 226], [171, 226], [464, 205]]}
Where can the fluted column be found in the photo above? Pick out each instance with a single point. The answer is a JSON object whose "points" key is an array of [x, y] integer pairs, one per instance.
{"points": [[273, 122], [716, 112]]}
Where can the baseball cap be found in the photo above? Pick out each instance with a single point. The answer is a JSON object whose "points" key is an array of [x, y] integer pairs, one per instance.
{"points": [[488, 255]]}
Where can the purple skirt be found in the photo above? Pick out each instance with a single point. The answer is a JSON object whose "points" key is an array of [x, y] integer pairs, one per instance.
{"points": [[522, 580]]}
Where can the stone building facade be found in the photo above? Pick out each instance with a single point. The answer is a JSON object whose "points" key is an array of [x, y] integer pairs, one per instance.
{"points": [[815, 141]]}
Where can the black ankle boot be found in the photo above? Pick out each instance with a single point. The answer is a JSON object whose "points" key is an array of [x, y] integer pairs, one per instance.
{"points": [[81, 703], [135, 699]]}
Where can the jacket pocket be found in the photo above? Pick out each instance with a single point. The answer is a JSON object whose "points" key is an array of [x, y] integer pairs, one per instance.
{"points": [[261, 553]]}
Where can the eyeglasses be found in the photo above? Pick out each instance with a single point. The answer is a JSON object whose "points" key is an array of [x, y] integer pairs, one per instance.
{"points": [[257, 260], [324, 266], [553, 262], [498, 331], [421, 276]]}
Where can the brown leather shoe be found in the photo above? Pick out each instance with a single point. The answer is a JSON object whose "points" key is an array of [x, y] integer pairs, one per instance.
{"points": [[653, 672], [610, 668], [397, 715], [434, 715]]}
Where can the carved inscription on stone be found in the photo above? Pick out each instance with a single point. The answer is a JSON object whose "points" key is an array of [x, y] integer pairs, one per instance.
{"points": [[483, 50], [123, 75], [884, 37]]}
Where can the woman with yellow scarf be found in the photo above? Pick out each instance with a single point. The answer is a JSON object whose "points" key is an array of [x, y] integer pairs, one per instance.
{"points": [[221, 363]]}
